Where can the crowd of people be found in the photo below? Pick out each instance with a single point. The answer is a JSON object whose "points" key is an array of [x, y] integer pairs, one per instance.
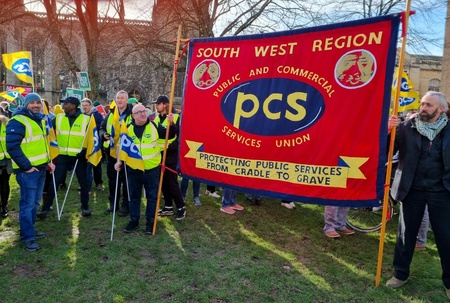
{"points": [[421, 184], [24, 150]]}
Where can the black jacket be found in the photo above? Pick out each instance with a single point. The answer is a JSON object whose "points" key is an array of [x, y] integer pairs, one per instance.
{"points": [[408, 141]]}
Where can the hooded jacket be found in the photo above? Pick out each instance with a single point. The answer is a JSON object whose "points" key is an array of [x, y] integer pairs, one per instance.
{"points": [[15, 132]]}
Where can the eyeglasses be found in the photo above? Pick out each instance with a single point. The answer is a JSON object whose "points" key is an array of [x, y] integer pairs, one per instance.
{"points": [[140, 112]]}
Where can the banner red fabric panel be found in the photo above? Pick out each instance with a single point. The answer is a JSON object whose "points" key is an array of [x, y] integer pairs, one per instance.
{"points": [[297, 115]]}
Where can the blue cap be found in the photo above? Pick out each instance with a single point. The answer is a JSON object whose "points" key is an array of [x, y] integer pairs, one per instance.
{"points": [[31, 97]]}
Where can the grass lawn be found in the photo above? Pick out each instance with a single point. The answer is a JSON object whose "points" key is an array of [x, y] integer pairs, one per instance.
{"points": [[263, 254]]}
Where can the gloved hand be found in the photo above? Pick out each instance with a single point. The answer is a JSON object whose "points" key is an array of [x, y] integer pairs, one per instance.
{"points": [[82, 154]]}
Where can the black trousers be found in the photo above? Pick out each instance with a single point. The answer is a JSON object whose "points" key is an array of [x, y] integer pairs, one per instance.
{"points": [[4, 187], [63, 164], [170, 187], [413, 209], [97, 172]]}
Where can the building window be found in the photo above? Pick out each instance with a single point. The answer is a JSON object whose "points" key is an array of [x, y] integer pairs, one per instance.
{"points": [[434, 85]]}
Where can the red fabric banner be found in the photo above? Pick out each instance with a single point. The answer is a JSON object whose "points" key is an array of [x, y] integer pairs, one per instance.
{"points": [[297, 115], [101, 110]]}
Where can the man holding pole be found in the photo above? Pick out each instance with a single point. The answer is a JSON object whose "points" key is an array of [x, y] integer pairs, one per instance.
{"points": [[121, 112], [144, 135], [422, 179], [70, 129], [170, 187]]}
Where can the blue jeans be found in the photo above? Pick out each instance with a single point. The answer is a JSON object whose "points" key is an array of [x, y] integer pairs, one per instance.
{"points": [[229, 197], [150, 180], [195, 187], [94, 173], [90, 175], [335, 218], [31, 188]]}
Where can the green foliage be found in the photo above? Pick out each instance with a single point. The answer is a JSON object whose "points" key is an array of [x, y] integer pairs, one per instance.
{"points": [[263, 254]]}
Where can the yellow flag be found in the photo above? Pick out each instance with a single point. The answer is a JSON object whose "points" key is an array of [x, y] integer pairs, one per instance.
{"points": [[92, 143], [13, 94], [115, 133], [129, 152], [408, 98], [51, 135], [20, 64]]}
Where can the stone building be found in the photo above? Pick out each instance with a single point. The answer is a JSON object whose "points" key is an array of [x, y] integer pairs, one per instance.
{"points": [[424, 72], [122, 63]]}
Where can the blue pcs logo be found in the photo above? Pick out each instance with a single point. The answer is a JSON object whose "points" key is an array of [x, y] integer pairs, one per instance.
{"points": [[404, 101], [22, 66], [273, 107]]}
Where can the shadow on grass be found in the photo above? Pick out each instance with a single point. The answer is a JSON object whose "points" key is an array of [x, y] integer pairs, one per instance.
{"points": [[262, 254]]}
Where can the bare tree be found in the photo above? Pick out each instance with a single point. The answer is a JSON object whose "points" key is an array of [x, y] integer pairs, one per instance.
{"points": [[11, 10], [83, 16], [110, 35], [420, 38], [208, 18]]}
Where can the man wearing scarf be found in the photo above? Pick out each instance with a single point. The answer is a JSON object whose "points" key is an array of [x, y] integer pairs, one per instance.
{"points": [[422, 178]]}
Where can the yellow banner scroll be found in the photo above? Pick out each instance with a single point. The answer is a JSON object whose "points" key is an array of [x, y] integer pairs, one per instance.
{"points": [[314, 175]]}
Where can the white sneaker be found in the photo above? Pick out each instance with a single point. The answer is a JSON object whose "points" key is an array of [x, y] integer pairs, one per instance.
{"points": [[197, 201], [288, 205], [214, 195]]}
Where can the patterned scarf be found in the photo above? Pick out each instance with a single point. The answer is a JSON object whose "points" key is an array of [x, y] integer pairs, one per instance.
{"points": [[430, 130]]}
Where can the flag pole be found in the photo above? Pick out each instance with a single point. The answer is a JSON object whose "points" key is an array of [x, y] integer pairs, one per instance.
{"points": [[172, 93], [118, 147], [114, 206], [405, 16], [67, 189], [32, 72], [56, 196], [46, 112]]}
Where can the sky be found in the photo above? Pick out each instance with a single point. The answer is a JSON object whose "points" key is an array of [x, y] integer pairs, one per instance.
{"points": [[141, 9], [435, 30]]}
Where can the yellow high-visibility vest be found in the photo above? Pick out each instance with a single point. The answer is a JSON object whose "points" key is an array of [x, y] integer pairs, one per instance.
{"points": [[34, 144], [3, 153], [147, 145], [162, 141], [70, 139]]}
